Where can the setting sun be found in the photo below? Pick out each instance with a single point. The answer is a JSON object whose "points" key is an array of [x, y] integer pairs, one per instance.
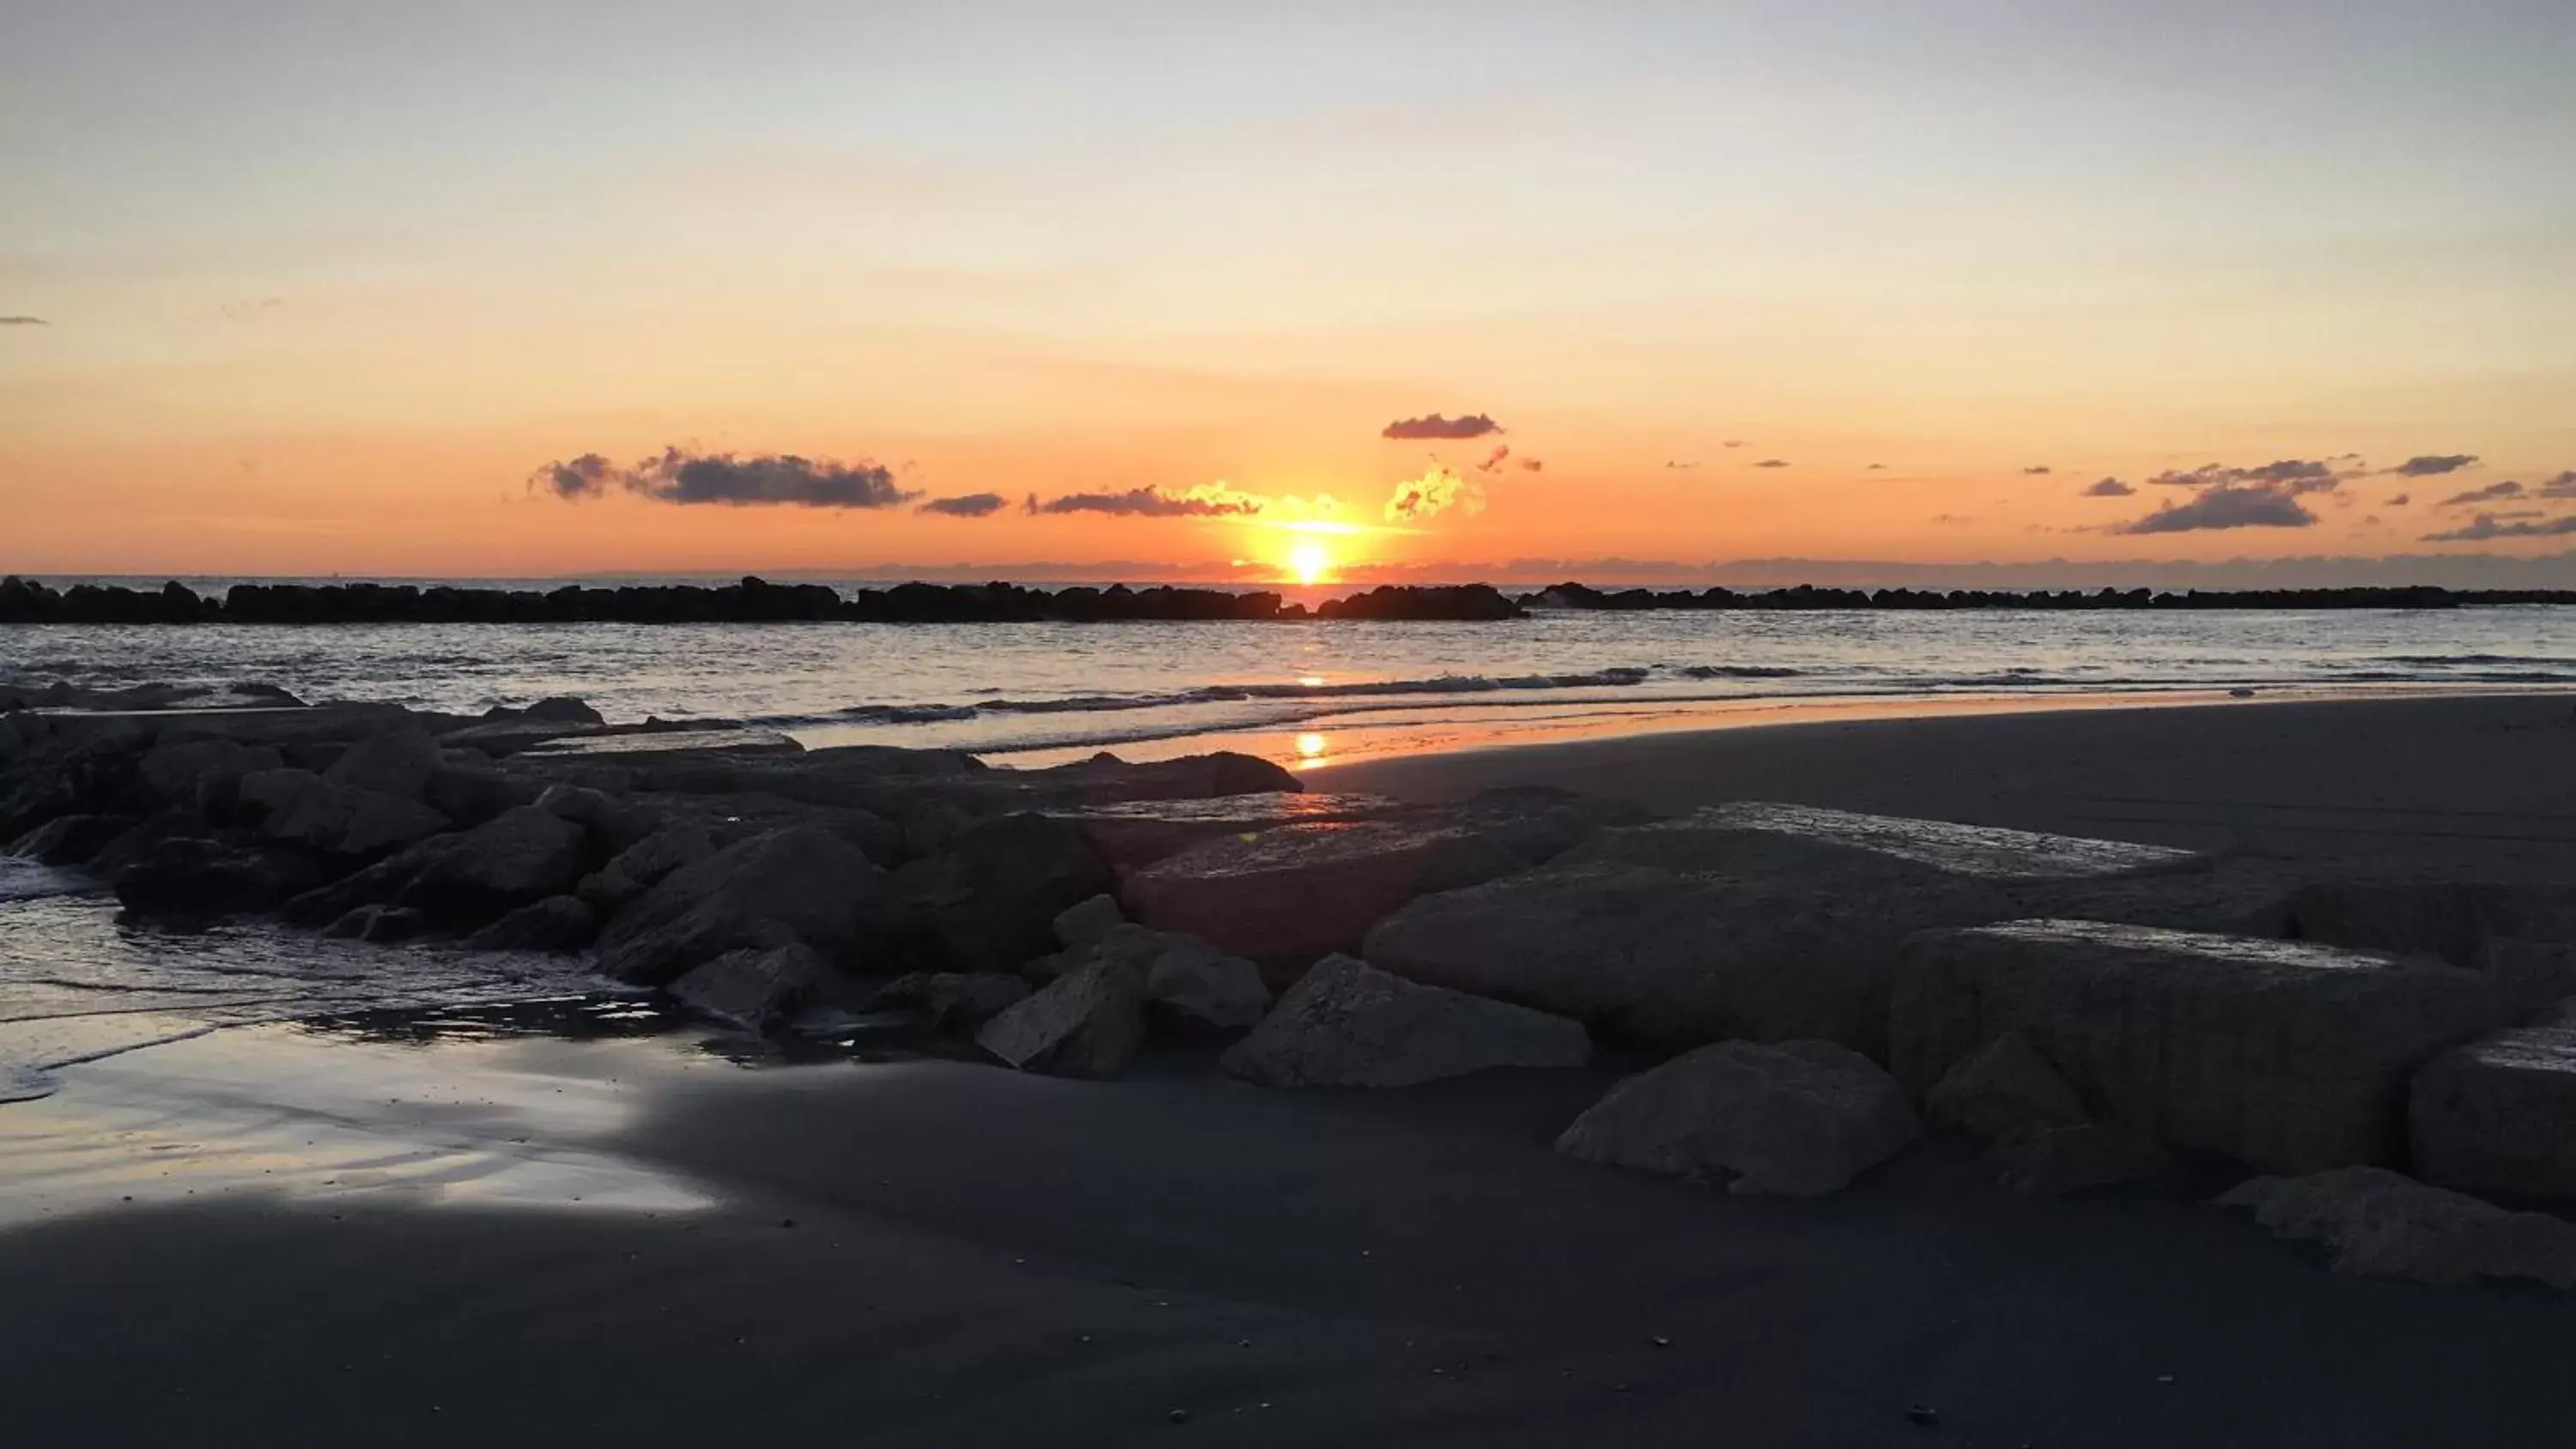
{"points": [[1310, 561]]}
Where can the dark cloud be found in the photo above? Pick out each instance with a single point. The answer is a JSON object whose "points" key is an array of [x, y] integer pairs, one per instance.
{"points": [[2401, 500], [2227, 506], [1208, 500], [2488, 525], [2038, 470], [24, 322], [1533, 465], [2562, 486], [969, 505], [1495, 459], [2428, 465], [1953, 520], [1475, 425], [2492, 493], [1733, 443], [2293, 476], [2108, 488], [1679, 467], [1877, 467], [1772, 463], [766, 479]]}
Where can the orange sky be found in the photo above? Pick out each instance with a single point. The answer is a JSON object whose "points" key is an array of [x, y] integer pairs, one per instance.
{"points": [[296, 323]]}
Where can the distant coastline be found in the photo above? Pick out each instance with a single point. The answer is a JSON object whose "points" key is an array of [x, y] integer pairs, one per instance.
{"points": [[755, 600]]}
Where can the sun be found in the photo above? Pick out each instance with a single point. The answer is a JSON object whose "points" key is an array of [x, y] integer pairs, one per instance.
{"points": [[1310, 561]]}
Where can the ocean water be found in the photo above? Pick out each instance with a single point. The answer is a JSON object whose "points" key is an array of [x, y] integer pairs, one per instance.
{"points": [[1035, 693]]}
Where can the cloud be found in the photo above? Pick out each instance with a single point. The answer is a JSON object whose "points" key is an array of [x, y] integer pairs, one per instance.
{"points": [[2562, 486], [2227, 506], [1535, 465], [1732, 443], [24, 322], [2428, 465], [969, 505], [2488, 525], [1877, 467], [2401, 500], [2108, 488], [1437, 491], [1953, 520], [1494, 459], [1772, 463], [1458, 429], [2040, 470], [1207, 500], [243, 311], [766, 479], [2293, 476], [2491, 493], [1679, 467]]}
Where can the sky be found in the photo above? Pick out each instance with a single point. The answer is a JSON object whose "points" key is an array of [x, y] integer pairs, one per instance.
{"points": [[538, 289]]}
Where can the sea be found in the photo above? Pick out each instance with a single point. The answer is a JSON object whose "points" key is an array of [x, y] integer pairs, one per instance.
{"points": [[78, 983]]}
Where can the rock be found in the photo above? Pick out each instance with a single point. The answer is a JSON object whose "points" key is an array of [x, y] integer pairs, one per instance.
{"points": [[298, 807], [70, 839], [470, 794], [1137, 833], [1347, 1024], [1288, 895], [562, 709], [199, 773], [1797, 1119], [2054, 1161], [2523, 937], [398, 763], [557, 923], [202, 879], [636, 869], [2283, 1055], [751, 988], [1085, 922], [953, 1000], [988, 901], [2005, 1086], [803, 883], [515, 858], [375, 884], [2380, 1224], [614, 821], [1198, 983], [1087, 1024], [2498, 1115], [13, 743], [379, 924], [1752, 834]]}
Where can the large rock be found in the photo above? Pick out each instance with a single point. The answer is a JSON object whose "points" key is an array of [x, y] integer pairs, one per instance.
{"points": [[379, 925], [639, 867], [1346, 1024], [751, 988], [201, 879], [557, 923], [1797, 1119], [2523, 937], [1752, 920], [1087, 1024], [1286, 896], [516, 858], [467, 790], [988, 902], [1087, 921], [1197, 983], [2005, 1086], [1139, 832], [70, 839], [204, 772], [2287, 1056], [298, 807], [398, 763], [952, 1000], [803, 884], [2379, 1224], [2498, 1116]]}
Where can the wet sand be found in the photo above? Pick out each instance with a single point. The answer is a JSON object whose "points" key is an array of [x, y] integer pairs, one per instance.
{"points": [[377, 1240]]}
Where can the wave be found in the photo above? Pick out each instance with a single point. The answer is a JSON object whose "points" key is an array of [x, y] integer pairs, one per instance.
{"points": [[1445, 684]]}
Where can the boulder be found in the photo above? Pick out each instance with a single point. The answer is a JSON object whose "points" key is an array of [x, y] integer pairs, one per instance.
{"points": [[561, 709], [1197, 983], [1137, 833], [557, 923], [1347, 1024], [1089, 1023], [379, 924], [515, 858], [201, 879], [617, 823], [1755, 834], [2055, 1161], [70, 839], [803, 883], [398, 763], [471, 793], [2380, 1224], [988, 901], [637, 868], [2003, 1087], [1796, 1119], [2523, 937], [751, 988], [2283, 1055], [199, 773], [1085, 922], [952, 1000], [2498, 1115], [299, 807], [1288, 895]]}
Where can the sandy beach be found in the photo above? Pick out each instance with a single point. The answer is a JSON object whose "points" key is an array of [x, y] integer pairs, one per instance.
{"points": [[460, 1232]]}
